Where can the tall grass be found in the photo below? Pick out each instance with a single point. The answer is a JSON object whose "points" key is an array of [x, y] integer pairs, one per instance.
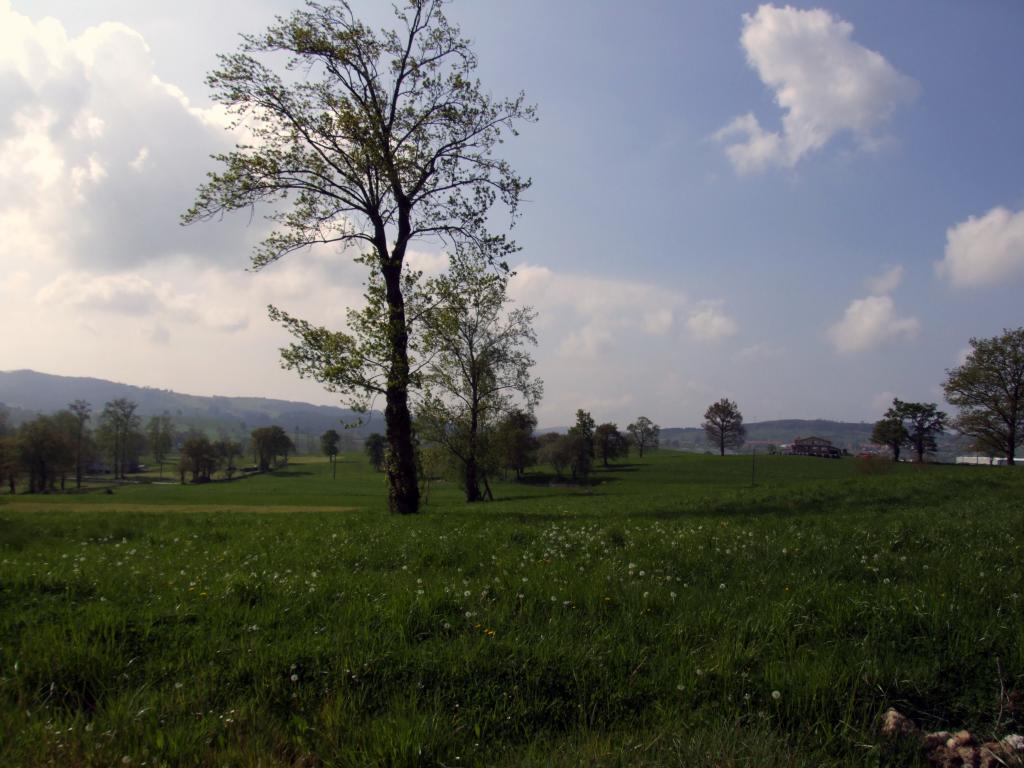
{"points": [[668, 614]]}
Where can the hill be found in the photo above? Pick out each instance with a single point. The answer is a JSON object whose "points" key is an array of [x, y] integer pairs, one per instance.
{"points": [[25, 393]]}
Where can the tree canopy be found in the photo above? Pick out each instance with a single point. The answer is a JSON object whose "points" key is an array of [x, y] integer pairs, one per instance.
{"points": [[989, 388], [372, 139], [723, 425], [921, 423], [644, 433], [478, 367]]}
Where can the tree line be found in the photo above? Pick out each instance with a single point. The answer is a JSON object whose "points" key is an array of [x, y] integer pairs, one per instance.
{"points": [[510, 445], [51, 451], [988, 388]]}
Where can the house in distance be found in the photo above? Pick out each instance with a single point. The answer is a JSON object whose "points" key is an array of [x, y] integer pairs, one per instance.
{"points": [[813, 446]]}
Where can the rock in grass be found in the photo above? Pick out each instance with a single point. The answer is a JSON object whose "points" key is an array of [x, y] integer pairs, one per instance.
{"points": [[944, 749]]}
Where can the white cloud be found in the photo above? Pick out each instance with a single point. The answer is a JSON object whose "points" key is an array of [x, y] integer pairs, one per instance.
{"points": [[98, 156], [887, 282], [825, 83], [869, 322], [986, 250], [758, 148], [133, 295], [760, 352], [591, 313], [709, 323]]}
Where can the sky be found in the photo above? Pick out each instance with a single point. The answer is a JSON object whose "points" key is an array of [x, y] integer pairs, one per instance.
{"points": [[809, 209]]}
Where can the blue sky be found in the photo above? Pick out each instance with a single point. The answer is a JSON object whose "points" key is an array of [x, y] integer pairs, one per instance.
{"points": [[770, 203]]}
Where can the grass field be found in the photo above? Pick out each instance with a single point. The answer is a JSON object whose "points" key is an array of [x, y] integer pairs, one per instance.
{"points": [[668, 614]]}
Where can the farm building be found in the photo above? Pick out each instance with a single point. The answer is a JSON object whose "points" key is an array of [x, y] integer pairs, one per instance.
{"points": [[987, 461], [814, 446]]}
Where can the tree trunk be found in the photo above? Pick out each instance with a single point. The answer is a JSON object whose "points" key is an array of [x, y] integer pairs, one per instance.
{"points": [[472, 480], [403, 488], [472, 476]]}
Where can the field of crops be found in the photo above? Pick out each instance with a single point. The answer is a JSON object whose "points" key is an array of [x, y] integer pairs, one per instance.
{"points": [[670, 613]]}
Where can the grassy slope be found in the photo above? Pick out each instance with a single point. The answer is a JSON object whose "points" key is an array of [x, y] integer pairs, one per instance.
{"points": [[644, 620]]}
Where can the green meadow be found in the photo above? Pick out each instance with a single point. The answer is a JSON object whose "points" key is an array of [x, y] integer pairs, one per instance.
{"points": [[680, 610]]}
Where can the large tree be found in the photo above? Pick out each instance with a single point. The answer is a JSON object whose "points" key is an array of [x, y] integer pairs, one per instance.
{"points": [[922, 423], [373, 139], [723, 425], [989, 390], [478, 366], [644, 433]]}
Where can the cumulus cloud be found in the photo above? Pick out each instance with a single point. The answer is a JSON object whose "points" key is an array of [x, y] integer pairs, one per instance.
{"points": [[98, 156], [869, 322], [709, 323], [133, 295], [825, 83], [592, 314], [986, 250], [887, 282]]}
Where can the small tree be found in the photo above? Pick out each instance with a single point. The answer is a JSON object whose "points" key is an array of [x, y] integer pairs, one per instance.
{"points": [[160, 434], [478, 367], [515, 443], [119, 434], [723, 425], [557, 450], [375, 448], [644, 433], [890, 432], [82, 412], [329, 441], [200, 457], [989, 390], [227, 451], [44, 450], [269, 443], [10, 463], [609, 443], [581, 438]]}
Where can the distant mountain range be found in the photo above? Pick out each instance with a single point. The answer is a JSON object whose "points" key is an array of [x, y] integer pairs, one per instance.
{"points": [[26, 393]]}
